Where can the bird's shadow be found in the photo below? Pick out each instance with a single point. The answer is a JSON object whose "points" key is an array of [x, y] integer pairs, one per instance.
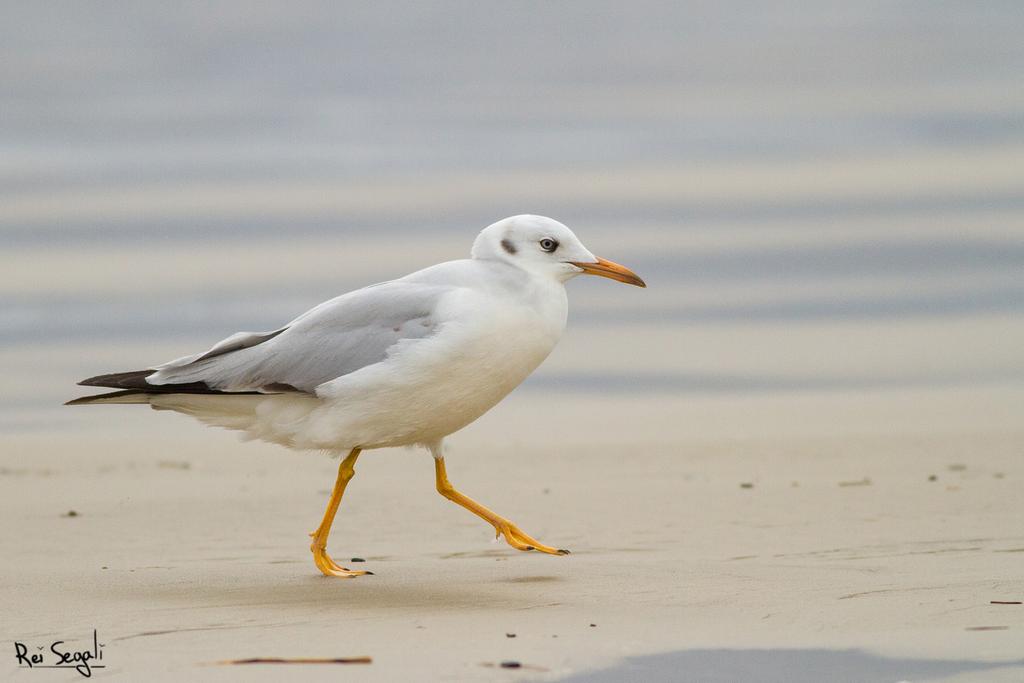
{"points": [[389, 588]]}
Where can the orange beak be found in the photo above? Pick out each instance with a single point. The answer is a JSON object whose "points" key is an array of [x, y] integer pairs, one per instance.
{"points": [[612, 271]]}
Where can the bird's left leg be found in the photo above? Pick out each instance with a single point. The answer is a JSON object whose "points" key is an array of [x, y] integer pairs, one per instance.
{"points": [[515, 536], [322, 560]]}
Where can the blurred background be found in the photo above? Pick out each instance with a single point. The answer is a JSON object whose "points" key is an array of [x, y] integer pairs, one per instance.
{"points": [[823, 197]]}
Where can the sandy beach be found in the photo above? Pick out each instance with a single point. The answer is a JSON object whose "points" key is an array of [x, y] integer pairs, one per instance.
{"points": [[883, 520]]}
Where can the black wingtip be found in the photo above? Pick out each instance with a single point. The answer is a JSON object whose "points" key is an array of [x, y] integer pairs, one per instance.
{"points": [[135, 379]]}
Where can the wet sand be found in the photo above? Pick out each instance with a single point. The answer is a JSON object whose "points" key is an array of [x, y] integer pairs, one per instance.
{"points": [[885, 520]]}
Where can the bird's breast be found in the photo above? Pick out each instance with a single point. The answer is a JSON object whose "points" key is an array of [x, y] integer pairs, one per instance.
{"points": [[429, 388]]}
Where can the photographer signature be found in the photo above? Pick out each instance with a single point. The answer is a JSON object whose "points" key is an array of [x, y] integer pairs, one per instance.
{"points": [[61, 657]]}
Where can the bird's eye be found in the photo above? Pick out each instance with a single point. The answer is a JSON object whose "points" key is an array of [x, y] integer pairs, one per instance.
{"points": [[548, 244]]}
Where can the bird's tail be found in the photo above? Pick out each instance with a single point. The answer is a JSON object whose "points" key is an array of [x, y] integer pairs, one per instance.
{"points": [[122, 397]]}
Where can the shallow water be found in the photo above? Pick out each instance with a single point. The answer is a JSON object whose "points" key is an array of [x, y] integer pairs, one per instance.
{"points": [[848, 222], [785, 666], [171, 177]]}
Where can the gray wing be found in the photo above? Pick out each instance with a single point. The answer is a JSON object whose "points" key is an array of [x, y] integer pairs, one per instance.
{"points": [[335, 338]]}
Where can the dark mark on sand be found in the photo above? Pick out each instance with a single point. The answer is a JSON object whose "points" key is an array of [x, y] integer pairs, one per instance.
{"points": [[300, 660]]}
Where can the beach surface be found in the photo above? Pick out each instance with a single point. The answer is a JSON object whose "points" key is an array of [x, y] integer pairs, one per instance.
{"points": [[879, 519]]}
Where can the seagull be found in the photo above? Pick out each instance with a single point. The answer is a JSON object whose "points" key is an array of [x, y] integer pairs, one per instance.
{"points": [[401, 363]]}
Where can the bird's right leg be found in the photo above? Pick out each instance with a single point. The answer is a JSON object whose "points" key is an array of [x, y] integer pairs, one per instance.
{"points": [[515, 536], [322, 560]]}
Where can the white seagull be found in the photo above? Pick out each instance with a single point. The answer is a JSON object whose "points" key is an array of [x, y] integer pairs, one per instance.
{"points": [[401, 363]]}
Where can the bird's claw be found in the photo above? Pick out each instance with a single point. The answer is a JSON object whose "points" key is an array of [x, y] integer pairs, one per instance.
{"points": [[328, 567], [520, 540]]}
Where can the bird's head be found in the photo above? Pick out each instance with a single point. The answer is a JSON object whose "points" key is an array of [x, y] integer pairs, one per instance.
{"points": [[546, 247]]}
